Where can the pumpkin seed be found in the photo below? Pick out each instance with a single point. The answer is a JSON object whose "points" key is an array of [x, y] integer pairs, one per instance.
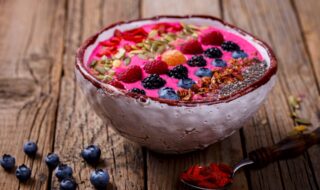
{"points": [[302, 121], [93, 63], [100, 69], [153, 33], [127, 60]]}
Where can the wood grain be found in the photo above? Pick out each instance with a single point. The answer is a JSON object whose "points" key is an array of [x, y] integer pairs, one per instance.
{"points": [[310, 27], [30, 72], [279, 27], [163, 171], [78, 125]]}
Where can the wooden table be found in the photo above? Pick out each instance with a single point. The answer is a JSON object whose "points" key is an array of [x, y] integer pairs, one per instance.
{"points": [[40, 101]]}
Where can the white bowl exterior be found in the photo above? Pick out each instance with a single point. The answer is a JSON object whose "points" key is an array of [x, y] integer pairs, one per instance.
{"points": [[173, 129]]}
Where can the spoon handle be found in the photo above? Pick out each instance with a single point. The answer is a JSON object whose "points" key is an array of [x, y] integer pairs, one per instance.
{"points": [[287, 148]]}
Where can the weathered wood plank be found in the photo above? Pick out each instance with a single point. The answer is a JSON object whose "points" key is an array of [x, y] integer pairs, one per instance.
{"points": [[308, 16], [163, 170], [78, 125], [31, 47], [279, 27]]}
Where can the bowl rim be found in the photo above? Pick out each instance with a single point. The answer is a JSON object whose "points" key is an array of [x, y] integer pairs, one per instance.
{"points": [[110, 89]]}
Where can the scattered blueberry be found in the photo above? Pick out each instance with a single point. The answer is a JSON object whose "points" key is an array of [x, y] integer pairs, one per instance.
{"points": [[213, 53], [138, 91], [7, 162], [179, 72], [197, 61], [186, 83], [30, 148], [219, 63], [230, 46], [52, 160], [239, 54], [91, 154], [63, 171], [168, 93], [68, 184], [23, 173], [99, 179], [203, 72], [153, 81]]}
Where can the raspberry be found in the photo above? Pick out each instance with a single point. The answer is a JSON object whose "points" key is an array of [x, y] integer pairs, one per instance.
{"points": [[153, 81], [173, 57], [138, 91], [116, 84], [191, 47], [213, 53], [156, 67], [212, 38], [197, 61], [230, 46], [132, 74], [179, 72]]}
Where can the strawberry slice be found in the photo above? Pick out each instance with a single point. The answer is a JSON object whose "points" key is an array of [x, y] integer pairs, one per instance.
{"points": [[131, 74]]}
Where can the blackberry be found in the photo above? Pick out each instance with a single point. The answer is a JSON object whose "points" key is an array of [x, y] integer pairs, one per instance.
{"points": [[179, 72], [138, 91], [213, 53], [230, 46], [153, 81], [197, 61]]}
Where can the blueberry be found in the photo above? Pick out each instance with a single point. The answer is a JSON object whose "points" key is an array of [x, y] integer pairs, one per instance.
{"points": [[213, 53], [219, 63], [30, 148], [52, 160], [91, 154], [63, 171], [68, 184], [99, 179], [168, 93], [186, 83], [239, 54], [203, 72], [7, 162], [23, 173]]}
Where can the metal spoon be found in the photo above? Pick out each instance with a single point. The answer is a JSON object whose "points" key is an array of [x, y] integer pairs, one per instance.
{"points": [[287, 148]]}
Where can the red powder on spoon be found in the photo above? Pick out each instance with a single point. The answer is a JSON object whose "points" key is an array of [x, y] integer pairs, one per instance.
{"points": [[213, 176]]}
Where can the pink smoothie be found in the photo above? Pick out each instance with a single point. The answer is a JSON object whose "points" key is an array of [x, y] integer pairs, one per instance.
{"points": [[172, 82]]}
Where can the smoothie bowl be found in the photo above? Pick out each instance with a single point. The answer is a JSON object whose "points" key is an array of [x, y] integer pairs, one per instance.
{"points": [[175, 84]]}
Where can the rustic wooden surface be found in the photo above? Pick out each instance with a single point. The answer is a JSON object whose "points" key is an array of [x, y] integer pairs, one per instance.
{"points": [[40, 101]]}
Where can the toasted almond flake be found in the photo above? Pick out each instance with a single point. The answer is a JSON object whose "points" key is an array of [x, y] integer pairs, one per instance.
{"points": [[116, 63], [139, 51], [120, 54]]}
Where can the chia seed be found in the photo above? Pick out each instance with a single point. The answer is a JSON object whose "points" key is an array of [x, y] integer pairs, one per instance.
{"points": [[250, 75]]}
